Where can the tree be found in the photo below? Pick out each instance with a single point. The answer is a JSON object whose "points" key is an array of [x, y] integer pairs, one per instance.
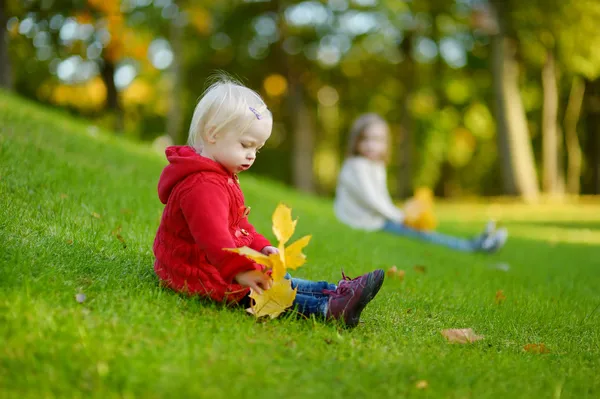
{"points": [[572, 139], [5, 73], [514, 146]]}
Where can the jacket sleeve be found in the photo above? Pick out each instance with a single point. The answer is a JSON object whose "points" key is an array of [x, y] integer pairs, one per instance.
{"points": [[205, 207], [363, 187], [259, 241]]}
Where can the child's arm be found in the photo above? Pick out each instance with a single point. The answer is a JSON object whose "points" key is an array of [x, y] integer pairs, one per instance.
{"points": [[259, 241], [366, 190], [206, 210]]}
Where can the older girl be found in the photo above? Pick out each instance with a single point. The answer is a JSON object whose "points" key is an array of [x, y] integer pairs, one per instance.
{"points": [[363, 200]]}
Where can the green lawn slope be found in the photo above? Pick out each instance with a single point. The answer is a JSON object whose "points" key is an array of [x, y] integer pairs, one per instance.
{"points": [[78, 214]]}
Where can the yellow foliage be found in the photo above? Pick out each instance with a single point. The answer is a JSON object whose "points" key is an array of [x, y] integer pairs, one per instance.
{"points": [[138, 92], [200, 19], [280, 296], [87, 96], [275, 85], [283, 225], [274, 301], [418, 211]]}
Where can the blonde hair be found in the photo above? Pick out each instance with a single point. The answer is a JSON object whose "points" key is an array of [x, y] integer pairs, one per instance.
{"points": [[226, 106], [357, 131]]}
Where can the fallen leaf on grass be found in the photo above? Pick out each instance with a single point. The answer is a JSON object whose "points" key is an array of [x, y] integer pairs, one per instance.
{"points": [[117, 233], [96, 215], [461, 335], [419, 269], [421, 384], [500, 297], [69, 242], [536, 348], [393, 272], [273, 301]]}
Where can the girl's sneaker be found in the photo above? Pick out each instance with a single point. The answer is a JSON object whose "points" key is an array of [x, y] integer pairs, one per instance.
{"points": [[351, 296], [495, 241]]}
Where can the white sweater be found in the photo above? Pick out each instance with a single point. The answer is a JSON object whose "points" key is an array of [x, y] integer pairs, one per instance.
{"points": [[362, 199]]}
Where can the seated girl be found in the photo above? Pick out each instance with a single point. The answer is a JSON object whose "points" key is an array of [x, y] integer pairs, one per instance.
{"points": [[363, 201]]}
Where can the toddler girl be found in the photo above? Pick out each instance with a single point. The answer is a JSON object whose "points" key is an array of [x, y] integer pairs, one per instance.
{"points": [[363, 201], [205, 213]]}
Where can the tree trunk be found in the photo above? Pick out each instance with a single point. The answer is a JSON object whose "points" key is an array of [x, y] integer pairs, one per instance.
{"points": [[406, 142], [112, 96], [592, 144], [572, 140], [304, 141], [5, 70], [549, 127], [514, 145], [300, 116], [174, 117]]}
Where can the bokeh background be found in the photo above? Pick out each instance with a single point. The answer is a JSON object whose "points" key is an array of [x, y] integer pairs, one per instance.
{"points": [[484, 98]]}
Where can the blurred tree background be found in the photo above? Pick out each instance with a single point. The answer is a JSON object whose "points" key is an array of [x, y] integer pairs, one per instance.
{"points": [[483, 97]]}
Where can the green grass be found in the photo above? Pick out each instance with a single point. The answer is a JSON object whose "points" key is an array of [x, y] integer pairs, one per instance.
{"points": [[65, 189]]}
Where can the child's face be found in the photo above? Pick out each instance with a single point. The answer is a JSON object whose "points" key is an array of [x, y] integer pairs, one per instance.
{"points": [[237, 153], [374, 142]]}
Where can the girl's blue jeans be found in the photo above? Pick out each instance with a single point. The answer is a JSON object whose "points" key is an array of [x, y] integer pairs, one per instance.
{"points": [[456, 243], [310, 299]]}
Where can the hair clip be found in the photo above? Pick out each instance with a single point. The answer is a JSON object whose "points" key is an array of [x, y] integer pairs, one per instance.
{"points": [[255, 112]]}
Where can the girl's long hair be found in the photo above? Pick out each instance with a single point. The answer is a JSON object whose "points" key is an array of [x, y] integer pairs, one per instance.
{"points": [[358, 129]]}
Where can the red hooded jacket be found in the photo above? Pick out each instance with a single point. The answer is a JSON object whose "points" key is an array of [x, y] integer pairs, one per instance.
{"points": [[204, 213]]}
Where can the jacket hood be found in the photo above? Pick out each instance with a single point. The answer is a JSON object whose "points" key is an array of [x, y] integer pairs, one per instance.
{"points": [[184, 161]]}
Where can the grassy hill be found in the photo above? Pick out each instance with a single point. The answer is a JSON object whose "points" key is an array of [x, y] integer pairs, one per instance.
{"points": [[78, 214]]}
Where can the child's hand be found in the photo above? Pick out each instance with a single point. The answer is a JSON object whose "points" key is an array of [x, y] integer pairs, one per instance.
{"points": [[268, 250], [254, 279]]}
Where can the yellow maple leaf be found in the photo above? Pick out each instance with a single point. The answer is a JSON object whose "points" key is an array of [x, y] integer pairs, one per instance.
{"points": [[273, 301], [280, 296], [278, 267], [273, 261], [293, 256], [283, 225], [256, 256]]}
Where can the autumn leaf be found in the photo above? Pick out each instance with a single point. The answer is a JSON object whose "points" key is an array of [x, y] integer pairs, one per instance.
{"points": [[273, 301], [461, 335], [393, 272], [278, 267], [421, 384], [294, 258], [250, 253], [419, 269], [536, 348], [96, 215], [280, 296], [500, 297], [283, 225]]}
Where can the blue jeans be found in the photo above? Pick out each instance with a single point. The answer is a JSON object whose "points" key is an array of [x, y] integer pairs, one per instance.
{"points": [[310, 299], [457, 243]]}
